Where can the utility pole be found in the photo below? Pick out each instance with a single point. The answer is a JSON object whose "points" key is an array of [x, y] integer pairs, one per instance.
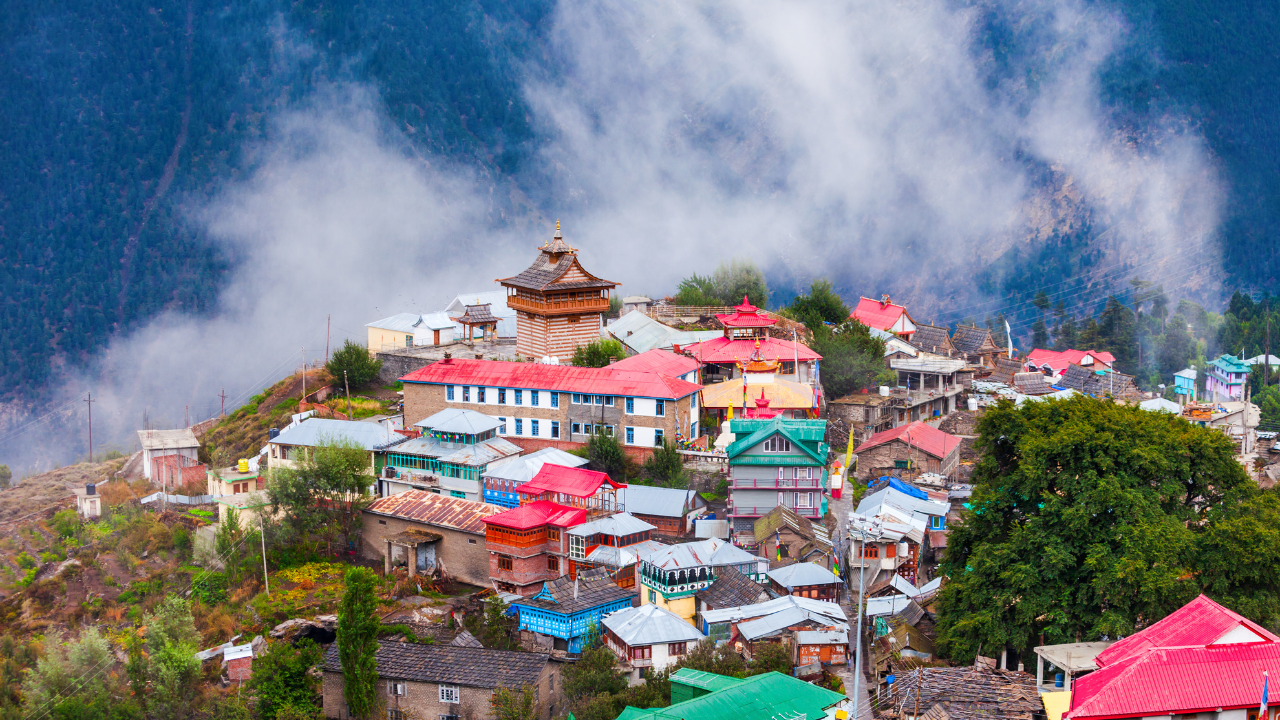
{"points": [[186, 409], [89, 399], [304, 379], [223, 395], [348, 387], [1266, 378], [262, 535], [327, 324]]}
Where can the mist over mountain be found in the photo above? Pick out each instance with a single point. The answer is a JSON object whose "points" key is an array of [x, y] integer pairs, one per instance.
{"points": [[190, 189]]}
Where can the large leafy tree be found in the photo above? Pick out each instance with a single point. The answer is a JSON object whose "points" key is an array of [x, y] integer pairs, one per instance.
{"points": [[1090, 518], [322, 496], [665, 467], [174, 672], [821, 305], [852, 358], [598, 353], [358, 643], [353, 359], [282, 678]]}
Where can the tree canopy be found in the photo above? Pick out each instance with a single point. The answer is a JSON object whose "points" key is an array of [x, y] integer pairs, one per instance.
{"points": [[1090, 518], [821, 305], [357, 638], [353, 359], [731, 281], [852, 359], [322, 496], [598, 353]]}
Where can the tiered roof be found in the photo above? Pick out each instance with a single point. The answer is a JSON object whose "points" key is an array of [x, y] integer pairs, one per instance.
{"points": [[572, 481], [726, 351], [553, 263], [746, 315]]}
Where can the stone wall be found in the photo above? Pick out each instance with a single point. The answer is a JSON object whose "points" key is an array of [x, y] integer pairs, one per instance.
{"points": [[396, 366], [463, 554], [881, 459], [422, 699]]}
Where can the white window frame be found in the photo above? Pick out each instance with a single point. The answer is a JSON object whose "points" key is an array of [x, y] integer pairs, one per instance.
{"points": [[577, 547], [807, 500], [450, 694], [395, 688]]}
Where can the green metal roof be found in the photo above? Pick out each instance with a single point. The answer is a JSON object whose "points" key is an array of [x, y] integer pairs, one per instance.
{"points": [[760, 696], [704, 680], [807, 435]]}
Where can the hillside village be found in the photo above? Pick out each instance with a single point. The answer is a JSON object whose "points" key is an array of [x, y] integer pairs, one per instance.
{"points": [[548, 501]]}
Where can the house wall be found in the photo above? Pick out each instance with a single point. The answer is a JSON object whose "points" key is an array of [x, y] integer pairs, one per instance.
{"points": [[829, 592], [463, 554], [539, 336], [871, 461], [793, 542], [422, 700], [683, 607], [149, 456], [665, 525]]}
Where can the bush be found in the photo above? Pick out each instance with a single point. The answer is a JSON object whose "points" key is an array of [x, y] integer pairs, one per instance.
{"points": [[597, 353], [66, 523], [360, 367], [25, 561], [209, 587]]}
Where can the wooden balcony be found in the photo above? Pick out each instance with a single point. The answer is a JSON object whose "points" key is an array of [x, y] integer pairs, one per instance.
{"points": [[561, 307], [775, 484], [744, 511]]}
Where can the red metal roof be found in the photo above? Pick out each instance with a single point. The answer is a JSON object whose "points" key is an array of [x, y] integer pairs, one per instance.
{"points": [[746, 315], [556, 378], [1172, 681], [577, 482], [429, 508], [918, 435], [877, 313], [663, 362], [724, 350], [537, 514], [1058, 360], [1198, 623]]}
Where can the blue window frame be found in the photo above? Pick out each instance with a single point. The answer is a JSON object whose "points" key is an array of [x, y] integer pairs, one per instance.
{"points": [[576, 429], [657, 437], [519, 397], [448, 393], [631, 436], [555, 399], [457, 494], [519, 426], [533, 398], [502, 426], [479, 395], [555, 428], [502, 396], [466, 393], [660, 408], [631, 406], [533, 428]]}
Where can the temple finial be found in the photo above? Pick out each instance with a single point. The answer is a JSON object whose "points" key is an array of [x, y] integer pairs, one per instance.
{"points": [[557, 228]]}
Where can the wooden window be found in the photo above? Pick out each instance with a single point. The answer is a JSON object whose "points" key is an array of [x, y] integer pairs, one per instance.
{"points": [[553, 534], [868, 551], [675, 648], [642, 653], [504, 562], [553, 563]]}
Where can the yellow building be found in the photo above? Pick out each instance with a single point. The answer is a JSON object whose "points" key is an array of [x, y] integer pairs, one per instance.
{"points": [[669, 577], [410, 330]]}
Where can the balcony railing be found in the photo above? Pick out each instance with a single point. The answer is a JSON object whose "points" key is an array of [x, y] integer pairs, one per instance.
{"points": [[558, 307], [775, 484], [743, 511]]}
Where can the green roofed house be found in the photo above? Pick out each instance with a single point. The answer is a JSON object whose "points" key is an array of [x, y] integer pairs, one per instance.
{"points": [[706, 696], [781, 461]]}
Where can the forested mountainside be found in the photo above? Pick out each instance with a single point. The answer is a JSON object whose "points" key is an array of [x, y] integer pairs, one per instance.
{"points": [[116, 115]]}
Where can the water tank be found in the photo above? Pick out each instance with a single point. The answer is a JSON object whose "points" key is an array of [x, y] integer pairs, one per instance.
{"points": [[973, 404], [884, 391], [273, 433], [90, 489], [243, 466]]}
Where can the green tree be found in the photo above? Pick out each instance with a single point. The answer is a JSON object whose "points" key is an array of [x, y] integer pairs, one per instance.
{"points": [[1268, 402], [1177, 348], [228, 544], [1067, 336], [821, 305], [770, 657], [1086, 519], [598, 353], [1041, 301], [708, 657], [357, 638], [359, 364], [69, 673], [740, 278], [852, 359], [66, 523], [174, 672], [6, 475], [696, 291], [230, 707], [665, 467], [323, 495], [282, 678], [514, 704], [595, 672], [496, 628], [1039, 334], [606, 454]]}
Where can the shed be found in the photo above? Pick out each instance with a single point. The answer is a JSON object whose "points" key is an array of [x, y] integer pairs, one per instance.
{"points": [[239, 662], [671, 510], [429, 533], [160, 443]]}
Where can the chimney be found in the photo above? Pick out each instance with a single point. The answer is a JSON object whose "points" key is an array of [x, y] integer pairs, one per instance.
{"points": [[90, 489], [612, 360], [884, 300], [448, 357]]}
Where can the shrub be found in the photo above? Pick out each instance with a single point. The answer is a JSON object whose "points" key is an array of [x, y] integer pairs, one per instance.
{"points": [[360, 367], [25, 561], [209, 587], [66, 523]]}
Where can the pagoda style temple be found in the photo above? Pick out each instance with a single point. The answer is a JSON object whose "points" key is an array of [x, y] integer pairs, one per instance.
{"points": [[558, 305], [749, 350]]}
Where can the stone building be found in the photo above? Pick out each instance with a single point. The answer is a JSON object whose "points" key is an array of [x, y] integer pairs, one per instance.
{"points": [[558, 304], [529, 545], [914, 448], [447, 681], [427, 532]]}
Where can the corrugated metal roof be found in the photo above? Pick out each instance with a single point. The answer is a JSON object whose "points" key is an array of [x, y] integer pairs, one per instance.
{"points": [[641, 333], [873, 505], [929, 363], [317, 431], [658, 501], [617, 557], [413, 322], [650, 625], [768, 696], [822, 637], [703, 553], [555, 378], [877, 314], [917, 434], [523, 469], [431, 509], [1199, 623], [724, 350], [783, 619], [800, 574], [659, 361], [167, 439], [458, 420], [704, 680], [577, 482], [480, 454], [536, 514], [236, 652], [887, 605], [759, 610], [617, 525]]}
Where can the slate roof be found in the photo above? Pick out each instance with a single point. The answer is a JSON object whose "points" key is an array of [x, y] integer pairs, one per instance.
{"points": [[451, 664], [967, 693], [1074, 377], [732, 589], [932, 338], [916, 434], [595, 587], [970, 339], [1031, 383], [650, 625], [477, 315], [554, 260], [413, 322], [783, 516], [458, 420], [800, 574], [429, 508], [1006, 368]]}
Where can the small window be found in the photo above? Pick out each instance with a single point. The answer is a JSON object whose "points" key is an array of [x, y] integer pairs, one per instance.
{"points": [[588, 429], [631, 436], [533, 398], [519, 397], [555, 427], [553, 534], [660, 408], [777, 443], [675, 648], [448, 393], [608, 401], [533, 428], [466, 393], [457, 494], [504, 562], [653, 596], [555, 402], [502, 426], [576, 428], [599, 399], [553, 563], [479, 395], [631, 406], [502, 396], [657, 437], [519, 426], [871, 551], [393, 714], [781, 473], [382, 522], [471, 541], [395, 688], [450, 694], [804, 500]]}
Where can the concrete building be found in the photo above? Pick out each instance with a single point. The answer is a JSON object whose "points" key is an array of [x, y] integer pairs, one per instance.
{"points": [[295, 442], [163, 443], [775, 462], [648, 637], [670, 577], [456, 448], [559, 305], [447, 681], [539, 405], [88, 501], [409, 330], [500, 480], [1226, 378], [428, 533]]}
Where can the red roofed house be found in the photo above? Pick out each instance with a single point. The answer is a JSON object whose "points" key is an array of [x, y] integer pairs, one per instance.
{"points": [[1202, 658], [1053, 362], [916, 446], [529, 545], [884, 315], [541, 406], [748, 336], [588, 490], [558, 305]]}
